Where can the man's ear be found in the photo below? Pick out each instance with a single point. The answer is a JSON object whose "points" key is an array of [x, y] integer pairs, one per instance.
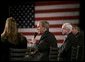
{"points": [[45, 29]]}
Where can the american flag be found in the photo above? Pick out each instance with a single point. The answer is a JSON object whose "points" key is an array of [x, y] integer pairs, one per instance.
{"points": [[55, 12]]}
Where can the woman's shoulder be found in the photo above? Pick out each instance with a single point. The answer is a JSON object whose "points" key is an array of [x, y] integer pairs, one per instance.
{"points": [[21, 37], [3, 38], [4, 41], [20, 34]]}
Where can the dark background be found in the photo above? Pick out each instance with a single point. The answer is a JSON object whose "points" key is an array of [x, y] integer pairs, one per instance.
{"points": [[4, 12]]}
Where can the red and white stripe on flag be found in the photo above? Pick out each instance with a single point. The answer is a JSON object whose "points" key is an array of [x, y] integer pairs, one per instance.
{"points": [[56, 13]]}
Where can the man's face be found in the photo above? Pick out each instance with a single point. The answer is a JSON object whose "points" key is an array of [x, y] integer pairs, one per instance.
{"points": [[64, 31], [74, 31], [40, 28]]}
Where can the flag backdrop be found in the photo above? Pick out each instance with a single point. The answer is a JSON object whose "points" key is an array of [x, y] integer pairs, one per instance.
{"points": [[55, 12]]}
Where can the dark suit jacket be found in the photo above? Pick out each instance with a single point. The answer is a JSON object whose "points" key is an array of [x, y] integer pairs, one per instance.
{"points": [[46, 41], [80, 40], [65, 51]]}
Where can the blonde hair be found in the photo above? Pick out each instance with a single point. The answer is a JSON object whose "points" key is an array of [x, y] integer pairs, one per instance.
{"points": [[10, 30]]}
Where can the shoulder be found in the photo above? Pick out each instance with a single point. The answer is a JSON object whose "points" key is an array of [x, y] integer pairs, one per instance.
{"points": [[71, 37], [4, 42], [82, 33], [50, 34], [51, 37], [21, 37], [3, 38]]}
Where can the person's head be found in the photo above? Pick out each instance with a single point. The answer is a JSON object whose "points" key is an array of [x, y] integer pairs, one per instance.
{"points": [[10, 29], [10, 26], [66, 28], [42, 26], [75, 30]]}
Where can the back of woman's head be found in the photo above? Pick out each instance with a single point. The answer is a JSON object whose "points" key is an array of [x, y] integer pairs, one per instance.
{"points": [[10, 29], [11, 25]]}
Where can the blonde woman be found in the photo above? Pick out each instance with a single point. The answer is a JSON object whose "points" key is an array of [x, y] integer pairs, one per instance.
{"points": [[10, 38]]}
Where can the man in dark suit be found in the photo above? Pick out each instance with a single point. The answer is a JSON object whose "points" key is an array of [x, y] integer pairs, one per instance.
{"points": [[66, 50], [79, 34], [46, 41]]}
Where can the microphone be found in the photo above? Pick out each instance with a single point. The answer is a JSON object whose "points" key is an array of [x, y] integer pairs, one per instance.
{"points": [[35, 34]]}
